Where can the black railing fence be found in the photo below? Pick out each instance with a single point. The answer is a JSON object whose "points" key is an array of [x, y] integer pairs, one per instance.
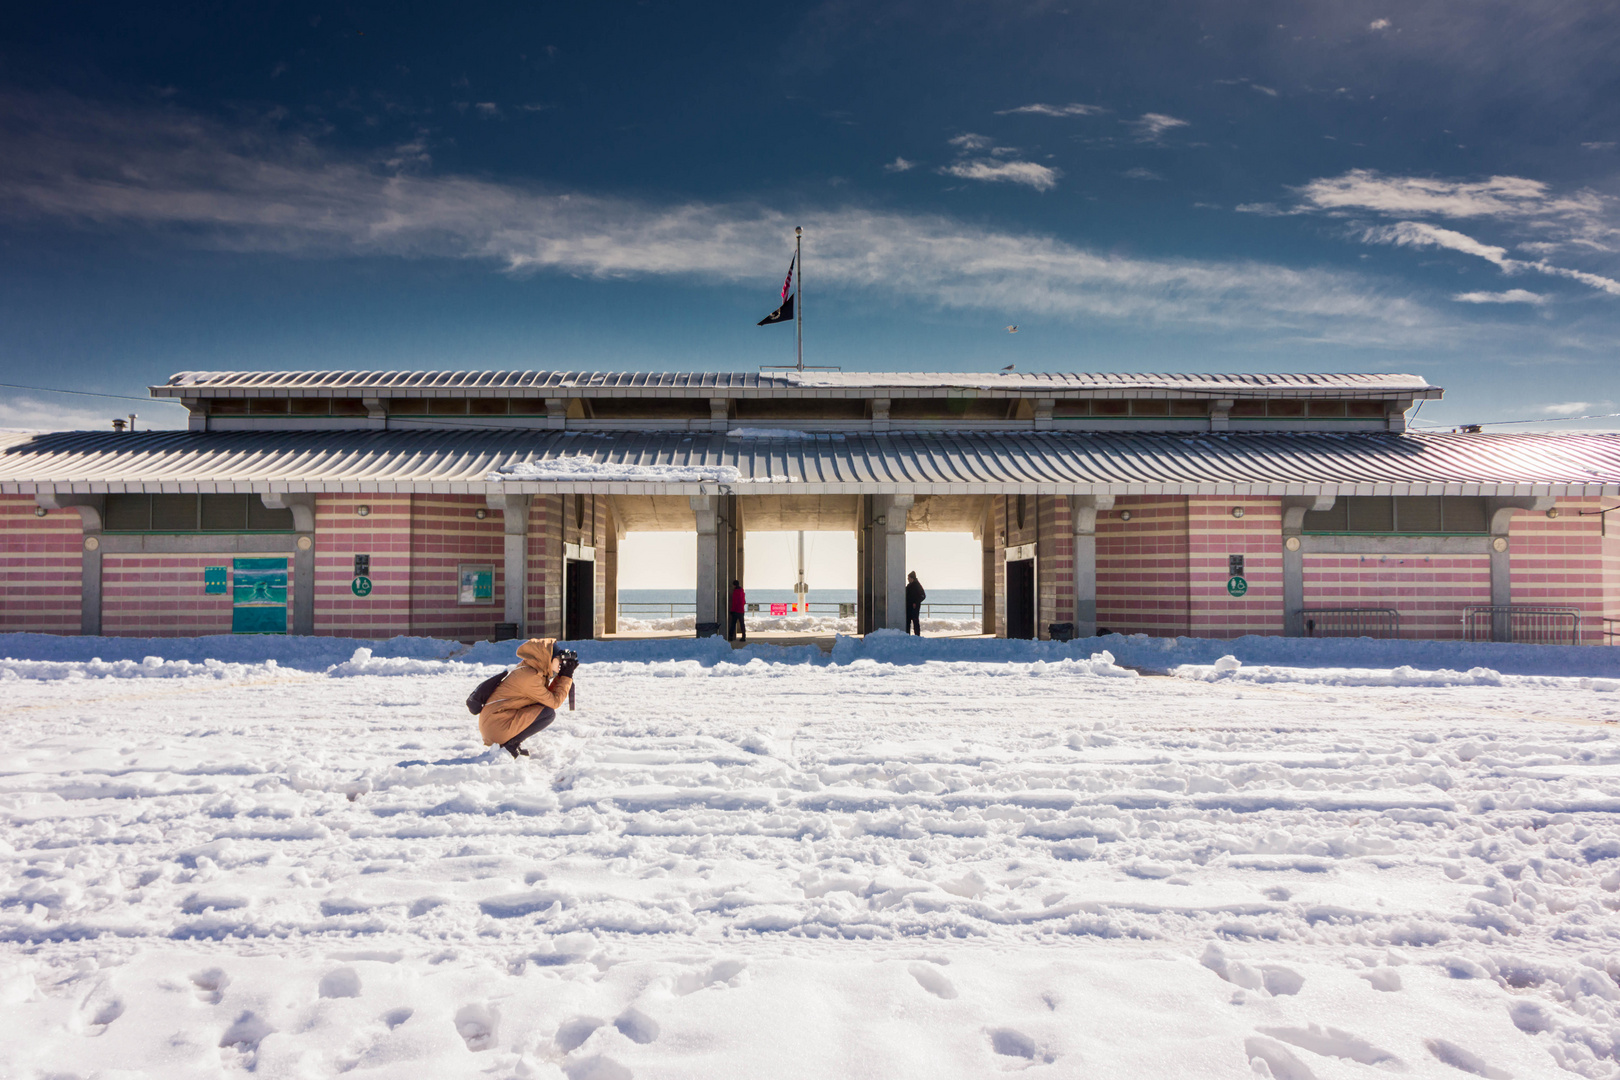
{"points": [[1526, 624], [1373, 622]]}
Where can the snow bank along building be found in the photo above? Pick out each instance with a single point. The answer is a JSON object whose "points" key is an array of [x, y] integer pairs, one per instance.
{"points": [[369, 504]]}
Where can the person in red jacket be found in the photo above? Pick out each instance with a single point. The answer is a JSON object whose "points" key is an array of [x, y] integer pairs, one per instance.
{"points": [[739, 604]]}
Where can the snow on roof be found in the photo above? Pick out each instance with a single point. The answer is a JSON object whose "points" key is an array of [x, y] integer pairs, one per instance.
{"points": [[472, 383], [937, 463]]}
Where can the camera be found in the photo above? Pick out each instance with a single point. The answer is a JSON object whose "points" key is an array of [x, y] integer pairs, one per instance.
{"points": [[567, 654]]}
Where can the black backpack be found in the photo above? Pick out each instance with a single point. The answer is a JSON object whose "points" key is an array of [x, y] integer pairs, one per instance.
{"points": [[480, 695]]}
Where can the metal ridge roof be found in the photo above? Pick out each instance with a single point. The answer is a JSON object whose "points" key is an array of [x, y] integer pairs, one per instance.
{"points": [[464, 383], [959, 462]]}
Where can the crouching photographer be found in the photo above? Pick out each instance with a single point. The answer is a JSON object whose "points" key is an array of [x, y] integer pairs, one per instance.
{"points": [[515, 706]]}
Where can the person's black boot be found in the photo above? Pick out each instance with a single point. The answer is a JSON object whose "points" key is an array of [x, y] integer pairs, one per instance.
{"points": [[514, 749]]}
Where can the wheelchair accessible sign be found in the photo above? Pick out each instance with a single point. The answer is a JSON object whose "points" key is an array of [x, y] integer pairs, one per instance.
{"points": [[1236, 585]]}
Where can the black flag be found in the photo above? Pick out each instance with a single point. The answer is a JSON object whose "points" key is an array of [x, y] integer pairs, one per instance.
{"points": [[781, 314]]}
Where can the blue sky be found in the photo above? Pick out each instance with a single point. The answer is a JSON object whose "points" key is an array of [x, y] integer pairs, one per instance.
{"points": [[1423, 187]]}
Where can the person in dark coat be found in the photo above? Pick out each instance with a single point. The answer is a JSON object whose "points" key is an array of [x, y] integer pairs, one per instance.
{"points": [[739, 604], [915, 595]]}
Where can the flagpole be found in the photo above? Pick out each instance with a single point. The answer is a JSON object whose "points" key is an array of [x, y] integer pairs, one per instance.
{"points": [[798, 309]]}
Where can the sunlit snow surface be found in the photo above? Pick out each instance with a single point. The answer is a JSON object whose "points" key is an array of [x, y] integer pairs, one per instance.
{"points": [[862, 869]]}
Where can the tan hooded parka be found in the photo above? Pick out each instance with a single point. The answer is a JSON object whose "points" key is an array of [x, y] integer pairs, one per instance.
{"points": [[518, 700]]}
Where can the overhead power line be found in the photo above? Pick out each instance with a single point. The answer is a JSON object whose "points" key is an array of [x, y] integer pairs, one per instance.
{"points": [[86, 393]]}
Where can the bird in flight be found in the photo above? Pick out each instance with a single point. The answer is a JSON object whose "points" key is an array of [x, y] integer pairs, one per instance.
{"points": [[1009, 367], [1012, 329]]}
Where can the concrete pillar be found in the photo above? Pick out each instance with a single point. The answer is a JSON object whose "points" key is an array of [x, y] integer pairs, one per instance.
{"points": [[719, 414], [880, 414], [376, 414], [1501, 513], [1083, 513], [556, 414], [1220, 414], [302, 505], [514, 511], [716, 556], [1295, 507], [895, 508], [987, 591], [90, 508], [1043, 413]]}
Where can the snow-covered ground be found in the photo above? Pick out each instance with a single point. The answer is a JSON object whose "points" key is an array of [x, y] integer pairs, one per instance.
{"points": [[294, 858]]}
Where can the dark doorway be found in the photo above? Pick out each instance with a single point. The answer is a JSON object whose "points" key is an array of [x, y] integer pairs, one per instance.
{"points": [[1021, 598], [579, 600]]}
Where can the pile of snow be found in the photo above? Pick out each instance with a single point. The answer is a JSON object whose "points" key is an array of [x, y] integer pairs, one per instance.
{"points": [[582, 467], [1231, 669], [148, 667], [364, 663], [775, 433]]}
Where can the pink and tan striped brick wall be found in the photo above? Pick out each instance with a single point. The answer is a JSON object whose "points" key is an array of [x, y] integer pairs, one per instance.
{"points": [[40, 560], [161, 595], [1611, 566], [1213, 534], [545, 565], [341, 534], [1559, 561], [1429, 591], [1142, 572], [446, 532]]}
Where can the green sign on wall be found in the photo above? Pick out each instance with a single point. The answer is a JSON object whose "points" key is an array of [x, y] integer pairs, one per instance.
{"points": [[259, 596], [1236, 586], [214, 579]]}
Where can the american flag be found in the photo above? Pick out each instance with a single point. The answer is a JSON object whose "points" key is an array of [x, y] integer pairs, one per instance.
{"points": [[788, 283]]}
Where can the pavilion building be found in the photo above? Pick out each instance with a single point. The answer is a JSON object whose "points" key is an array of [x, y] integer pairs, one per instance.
{"points": [[370, 504]]}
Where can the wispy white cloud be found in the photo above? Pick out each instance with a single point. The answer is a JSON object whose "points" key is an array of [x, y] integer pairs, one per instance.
{"points": [[1266, 90], [1378, 24], [1151, 127], [1140, 173], [1511, 296], [1037, 109], [994, 170], [970, 141], [1555, 222], [172, 174], [1497, 197], [900, 164], [1420, 234], [1569, 408], [487, 108]]}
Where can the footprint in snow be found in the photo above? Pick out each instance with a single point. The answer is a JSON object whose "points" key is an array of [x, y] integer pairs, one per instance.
{"points": [[343, 982], [1009, 1042], [1273, 1059], [210, 985], [246, 1034], [637, 1026], [573, 1033], [1331, 1042], [477, 1026], [395, 1017], [106, 1011], [1466, 1060], [933, 980]]}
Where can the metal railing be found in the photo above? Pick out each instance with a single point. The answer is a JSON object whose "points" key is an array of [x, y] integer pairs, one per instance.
{"points": [[1611, 631], [1526, 624], [1373, 622], [638, 609]]}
